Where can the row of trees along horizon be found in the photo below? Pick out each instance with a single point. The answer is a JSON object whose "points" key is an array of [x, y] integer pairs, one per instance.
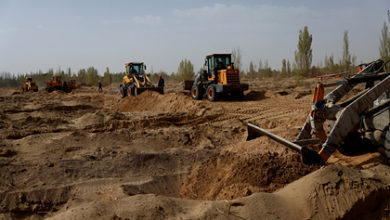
{"points": [[301, 67]]}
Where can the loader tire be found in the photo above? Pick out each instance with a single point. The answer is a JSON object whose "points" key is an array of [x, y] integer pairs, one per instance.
{"points": [[211, 93], [196, 93], [239, 95], [385, 148], [122, 92], [135, 91], [129, 91]]}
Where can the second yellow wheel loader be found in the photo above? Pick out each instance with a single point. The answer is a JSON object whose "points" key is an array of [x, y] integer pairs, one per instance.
{"points": [[219, 78]]}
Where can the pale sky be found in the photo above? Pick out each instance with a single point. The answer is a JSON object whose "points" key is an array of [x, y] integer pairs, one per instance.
{"points": [[42, 34]]}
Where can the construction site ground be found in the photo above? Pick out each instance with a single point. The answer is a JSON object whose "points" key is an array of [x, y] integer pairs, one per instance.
{"points": [[90, 155]]}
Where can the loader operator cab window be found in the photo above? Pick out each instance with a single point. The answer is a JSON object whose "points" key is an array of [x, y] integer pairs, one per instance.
{"points": [[58, 79], [135, 69], [218, 62]]}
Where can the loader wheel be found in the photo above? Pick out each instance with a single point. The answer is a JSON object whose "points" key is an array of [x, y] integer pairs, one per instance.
{"points": [[135, 91], [385, 149], [129, 91], [211, 93], [122, 92], [239, 95], [35, 90], [196, 93]]}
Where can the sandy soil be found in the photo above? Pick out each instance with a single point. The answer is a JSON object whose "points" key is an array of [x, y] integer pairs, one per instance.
{"points": [[89, 155]]}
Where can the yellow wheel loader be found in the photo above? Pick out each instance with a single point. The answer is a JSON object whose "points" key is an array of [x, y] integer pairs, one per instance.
{"points": [[218, 79], [136, 81], [29, 85], [59, 84]]}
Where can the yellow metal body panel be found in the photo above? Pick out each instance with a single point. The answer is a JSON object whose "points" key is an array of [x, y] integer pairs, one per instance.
{"points": [[227, 76], [56, 83], [29, 85]]}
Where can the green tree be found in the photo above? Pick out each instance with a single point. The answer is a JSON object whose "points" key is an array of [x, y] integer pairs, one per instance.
{"points": [[68, 74], [107, 77], [92, 76], [303, 54], [330, 66], [252, 72], [260, 69], [236, 58], [346, 60], [185, 70], [82, 76], [284, 67], [384, 46], [288, 68]]}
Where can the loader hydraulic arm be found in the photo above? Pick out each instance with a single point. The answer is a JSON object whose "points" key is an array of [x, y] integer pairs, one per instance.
{"points": [[351, 116]]}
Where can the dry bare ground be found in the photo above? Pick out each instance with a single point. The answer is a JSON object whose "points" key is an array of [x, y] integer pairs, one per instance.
{"points": [[89, 155]]}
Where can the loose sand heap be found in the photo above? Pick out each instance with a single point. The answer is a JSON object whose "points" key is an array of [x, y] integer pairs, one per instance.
{"points": [[332, 192], [85, 155]]}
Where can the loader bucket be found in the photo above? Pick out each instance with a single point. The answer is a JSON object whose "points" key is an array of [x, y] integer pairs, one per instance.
{"points": [[255, 131], [308, 156], [187, 84], [252, 133]]}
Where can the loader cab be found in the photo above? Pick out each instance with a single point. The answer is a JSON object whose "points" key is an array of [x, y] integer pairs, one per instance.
{"points": [[58, 79], [135, 69], [215, 62]]}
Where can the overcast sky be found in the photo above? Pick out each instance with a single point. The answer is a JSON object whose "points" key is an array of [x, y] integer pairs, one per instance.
{"points": [[38, 35]]}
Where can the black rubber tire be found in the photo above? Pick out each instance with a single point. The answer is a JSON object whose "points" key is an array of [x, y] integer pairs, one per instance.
{"points": [[239, 95], [135, 91], [122, 92], [211, 93], [196, 93], [129, 91], [35, 90]]}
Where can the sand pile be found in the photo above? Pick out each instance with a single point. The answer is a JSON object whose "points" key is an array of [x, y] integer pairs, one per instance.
{"points": [[332, 192], [231, 175], [153, 101]]}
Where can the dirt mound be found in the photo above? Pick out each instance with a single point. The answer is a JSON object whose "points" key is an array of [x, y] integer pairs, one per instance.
{"points": [[332, 192], [230, 175], [153, 101], [254, 95], [33, 203]]}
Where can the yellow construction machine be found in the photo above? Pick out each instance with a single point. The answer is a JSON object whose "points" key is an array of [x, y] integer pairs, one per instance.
{"points": [[219, 78], [361, 122], [136, 81], [59, 84], [29, 85]]}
